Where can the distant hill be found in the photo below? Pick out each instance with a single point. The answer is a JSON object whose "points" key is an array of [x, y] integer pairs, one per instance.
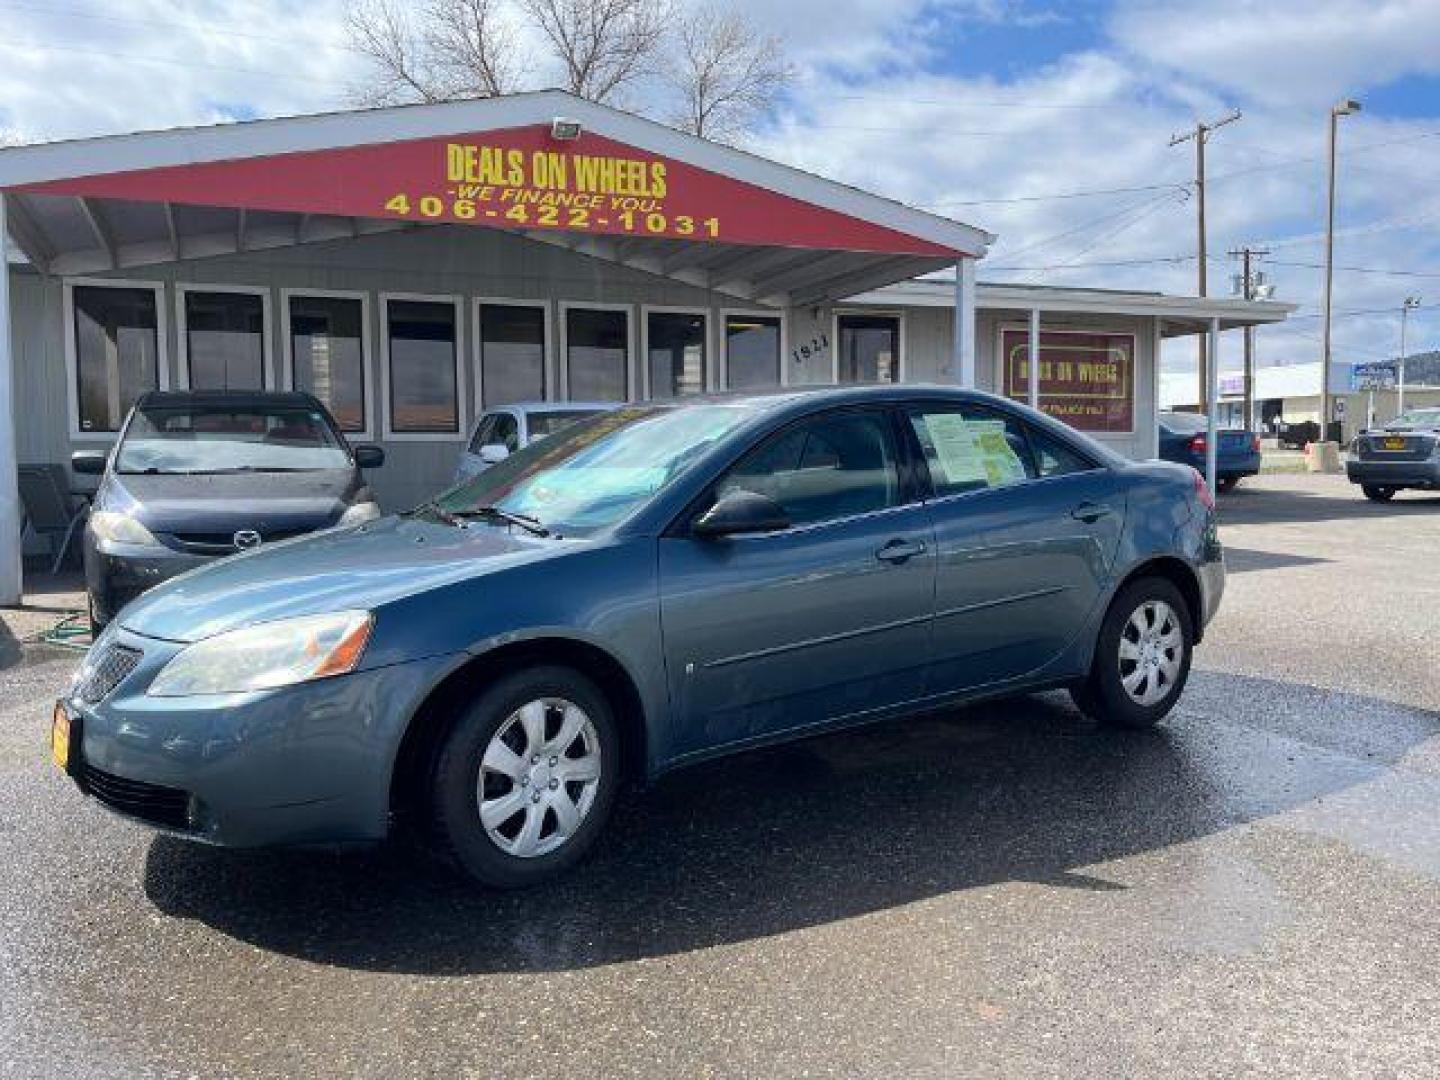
{"points": [[1423, 369]]}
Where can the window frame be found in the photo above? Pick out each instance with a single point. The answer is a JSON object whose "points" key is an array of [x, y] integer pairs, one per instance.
{"points": [[549, 377], [723, 353], [911, 492], [646, 310], [267, 328], [367, 356], [462, 413], [902, 368], [564, 307], [72, 354]]}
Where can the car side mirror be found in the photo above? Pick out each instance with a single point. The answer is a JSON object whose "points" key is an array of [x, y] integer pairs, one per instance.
{"points": [[369, 456], [741, 511], [494, 453], [87, 463]]}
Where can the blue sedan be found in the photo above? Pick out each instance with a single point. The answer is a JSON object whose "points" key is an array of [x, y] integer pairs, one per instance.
{"points": [[644, 589], [1183, 440]]}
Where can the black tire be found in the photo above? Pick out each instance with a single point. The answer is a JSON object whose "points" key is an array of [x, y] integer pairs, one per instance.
{"points": [[459, 834], [1376, 493], [1102, 696], [1226, 483]]}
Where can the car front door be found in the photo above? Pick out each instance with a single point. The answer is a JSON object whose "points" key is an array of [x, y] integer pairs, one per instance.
{"points": [[1026, 528], [825, 619]]}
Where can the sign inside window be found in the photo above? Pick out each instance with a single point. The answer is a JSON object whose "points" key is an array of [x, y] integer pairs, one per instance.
{"points": [[973, 451], [1087, 378]]}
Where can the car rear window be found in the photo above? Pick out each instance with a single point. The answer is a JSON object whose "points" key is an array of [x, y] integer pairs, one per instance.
{"points": [[547, 423]]}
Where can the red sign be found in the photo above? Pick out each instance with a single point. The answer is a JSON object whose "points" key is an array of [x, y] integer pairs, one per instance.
{"points": [[517, 178], [1087, 378]]}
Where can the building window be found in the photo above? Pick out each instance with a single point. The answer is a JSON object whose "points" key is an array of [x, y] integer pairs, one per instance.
{"points": [[116, 352], [597, 354], [869, 348], [424, 396], [512, 354], [225, 340], [675, 350], [752, 351], [327, 349]]}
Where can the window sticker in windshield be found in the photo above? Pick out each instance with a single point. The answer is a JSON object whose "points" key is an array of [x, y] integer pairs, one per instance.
{"points": [[973, 451]]}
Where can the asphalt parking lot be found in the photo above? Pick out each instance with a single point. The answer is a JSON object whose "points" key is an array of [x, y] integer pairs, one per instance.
{"points": [[1255, 887]]}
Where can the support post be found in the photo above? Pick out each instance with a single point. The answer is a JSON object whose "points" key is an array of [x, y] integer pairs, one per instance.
{"points": [[965, 323], [10, 553], [1032, 386], [1212, 392]]}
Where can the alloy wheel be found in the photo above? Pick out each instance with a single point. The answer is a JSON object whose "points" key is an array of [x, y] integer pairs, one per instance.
{"points": [[538, 777], [1151, 652]]}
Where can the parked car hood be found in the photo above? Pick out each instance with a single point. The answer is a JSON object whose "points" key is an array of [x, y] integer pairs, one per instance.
{"points": [[362, 567], [224, 502]]}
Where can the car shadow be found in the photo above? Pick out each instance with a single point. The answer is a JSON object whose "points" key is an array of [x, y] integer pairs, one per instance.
{"points": [[1245, 560], [805, 834], [1261, 506]]}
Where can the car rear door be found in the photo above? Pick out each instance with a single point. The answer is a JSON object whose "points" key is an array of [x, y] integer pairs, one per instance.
{"points": [[1026, 530], [829, 618]]}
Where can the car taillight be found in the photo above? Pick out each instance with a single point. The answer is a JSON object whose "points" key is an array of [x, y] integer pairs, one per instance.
{"points": [[1202, 491], [1197, 444], [1255, 443]]}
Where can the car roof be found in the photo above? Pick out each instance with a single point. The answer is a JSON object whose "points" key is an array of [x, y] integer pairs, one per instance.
{"points": [[556, 406], [234, 398]]}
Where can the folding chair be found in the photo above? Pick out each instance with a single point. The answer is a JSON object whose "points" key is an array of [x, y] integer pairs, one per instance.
{"points": [[52, 510]]}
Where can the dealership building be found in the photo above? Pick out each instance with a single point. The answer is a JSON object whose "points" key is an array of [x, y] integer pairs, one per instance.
{"points": [[415, 266]]}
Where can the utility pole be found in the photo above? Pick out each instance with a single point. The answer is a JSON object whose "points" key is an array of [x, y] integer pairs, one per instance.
{"points": [[1410, 304], [1201, 135], [1348, 107], [1249, 289]]}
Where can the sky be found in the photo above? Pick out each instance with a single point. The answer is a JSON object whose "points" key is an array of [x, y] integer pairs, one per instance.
{"points": [[1047, 123]]}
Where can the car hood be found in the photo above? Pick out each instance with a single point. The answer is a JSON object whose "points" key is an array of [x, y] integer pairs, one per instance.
{"points": [[354, 568], [271, 502]]}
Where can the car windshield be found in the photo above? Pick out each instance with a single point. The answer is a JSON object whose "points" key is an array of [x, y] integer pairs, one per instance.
{"points": [[204, 438], [596, 471], [548, 423], [1418, 418]]}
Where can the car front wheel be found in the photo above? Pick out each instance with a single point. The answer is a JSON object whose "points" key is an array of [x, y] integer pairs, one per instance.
{"points": [[1376, 493], [526, 779], [1142, 656]]}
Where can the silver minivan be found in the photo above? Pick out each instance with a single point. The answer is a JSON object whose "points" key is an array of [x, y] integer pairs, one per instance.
{"points": [[500, 432]]}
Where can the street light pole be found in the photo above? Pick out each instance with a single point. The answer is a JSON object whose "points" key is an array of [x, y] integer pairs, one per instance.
{"points": [[1411, 302], [1201, 134], [1344, 108]]}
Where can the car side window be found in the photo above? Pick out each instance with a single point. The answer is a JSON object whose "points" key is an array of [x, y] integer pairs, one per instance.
{"points": [[1053, 457], [482, 433], [970, 447], [506, 431], [830, 467]]}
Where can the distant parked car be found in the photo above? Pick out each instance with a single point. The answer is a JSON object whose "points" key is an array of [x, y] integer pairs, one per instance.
{"points": [[1405, 453], [643, 590], [1182, 439], [500, 432], [199, 475]]}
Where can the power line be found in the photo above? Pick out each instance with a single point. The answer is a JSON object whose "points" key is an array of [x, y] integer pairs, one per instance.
{"points": [[107, 54], [1084, 225], [173, 24], [1177, 187]]}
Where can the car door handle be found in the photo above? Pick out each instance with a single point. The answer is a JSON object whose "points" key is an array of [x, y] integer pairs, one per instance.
{"points": [[1089, 512], [897, 551]]}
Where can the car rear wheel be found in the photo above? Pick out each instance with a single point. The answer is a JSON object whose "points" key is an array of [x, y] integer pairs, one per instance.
{"points": [[1376, 493], [526, 779], [1226, 483], [1142, 656]]}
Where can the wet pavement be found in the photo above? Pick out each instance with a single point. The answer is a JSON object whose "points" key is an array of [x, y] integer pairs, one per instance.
{"points": [[999, 890]]}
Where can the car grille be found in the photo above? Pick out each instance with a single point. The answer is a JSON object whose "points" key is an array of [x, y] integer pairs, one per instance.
{"points": [[165, 806], [1417, 448], [223, 543], [105, 670]]}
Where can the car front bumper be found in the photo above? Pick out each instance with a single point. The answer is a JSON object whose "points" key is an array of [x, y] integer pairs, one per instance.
{"points": [[115, 574], [1421, 474], [304, 764]]}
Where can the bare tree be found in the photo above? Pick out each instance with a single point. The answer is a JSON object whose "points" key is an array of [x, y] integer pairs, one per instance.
{"points": [[714, 74], [603, 44], [725, 74]]}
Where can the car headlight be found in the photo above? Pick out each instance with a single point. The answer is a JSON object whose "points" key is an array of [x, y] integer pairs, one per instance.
{"points": [[359, 514], [267, 655], [120, 529]]}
